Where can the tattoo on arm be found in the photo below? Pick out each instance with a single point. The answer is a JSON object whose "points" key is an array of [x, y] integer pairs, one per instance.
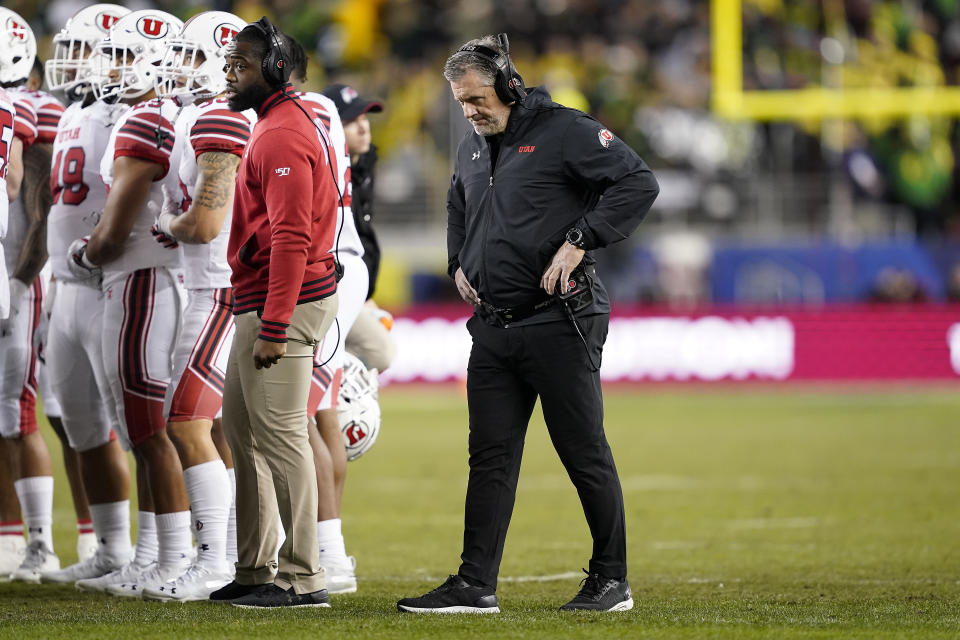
{"points": [[37, 198], [219, 171]]}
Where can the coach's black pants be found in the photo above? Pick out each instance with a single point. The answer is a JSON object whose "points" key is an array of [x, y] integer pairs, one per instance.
{"points": [[508, 370]]}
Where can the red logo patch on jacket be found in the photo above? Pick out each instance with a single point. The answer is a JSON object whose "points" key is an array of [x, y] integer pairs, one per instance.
{"points": [[526, 149]]}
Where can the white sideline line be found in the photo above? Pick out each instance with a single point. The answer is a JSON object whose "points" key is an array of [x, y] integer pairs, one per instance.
{"points": [[547, 578], [774, 523], [550, 578]]}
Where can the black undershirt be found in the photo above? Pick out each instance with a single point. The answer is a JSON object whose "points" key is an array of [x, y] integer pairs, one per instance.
{"points": [[494, 143]]}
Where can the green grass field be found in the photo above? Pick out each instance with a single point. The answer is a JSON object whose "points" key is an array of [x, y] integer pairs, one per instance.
{"points": [[751, 513]]}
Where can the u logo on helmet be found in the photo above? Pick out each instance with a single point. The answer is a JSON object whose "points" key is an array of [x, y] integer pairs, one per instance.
{"points": [[105, 20], [19, 30], [152, 27], [224, 33], [355, 434]]}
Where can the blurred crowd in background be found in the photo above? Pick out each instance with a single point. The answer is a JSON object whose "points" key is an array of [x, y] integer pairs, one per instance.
{"points": [[805, 212]]}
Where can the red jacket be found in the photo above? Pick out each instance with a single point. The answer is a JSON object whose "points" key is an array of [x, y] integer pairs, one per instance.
{"points": [[284, 218]]}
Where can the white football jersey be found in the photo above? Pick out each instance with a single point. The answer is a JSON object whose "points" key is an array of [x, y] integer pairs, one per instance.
{"points": [[346, 239], [208, 127], [78, 192], [145, 131]]}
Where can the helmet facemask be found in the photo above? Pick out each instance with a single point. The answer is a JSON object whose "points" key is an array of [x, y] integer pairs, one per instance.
{"points": [[185, 73]]}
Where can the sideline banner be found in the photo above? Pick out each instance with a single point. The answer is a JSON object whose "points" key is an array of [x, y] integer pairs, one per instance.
{"points": [[724, 344]]}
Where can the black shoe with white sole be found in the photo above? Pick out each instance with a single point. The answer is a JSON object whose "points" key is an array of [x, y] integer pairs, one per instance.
{"points": [[234, 590], [601, 593], [455, 595], [273, 597]]}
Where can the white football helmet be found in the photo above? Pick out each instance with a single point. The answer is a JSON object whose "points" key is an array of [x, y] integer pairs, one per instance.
{"points": [[70, 69], [194, 60], [18, 47], [358, 407], [131, 52]]}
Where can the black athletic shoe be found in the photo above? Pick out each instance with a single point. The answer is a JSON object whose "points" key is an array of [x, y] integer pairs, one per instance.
{"points": [[600, 593], [235, 590], [272, 597], [453, 596]]}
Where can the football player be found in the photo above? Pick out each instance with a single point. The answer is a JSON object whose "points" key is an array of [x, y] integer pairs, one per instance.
{"points": [[24, 256], [198, 219], [369, 338], [18, 126], [74, 338], [142, 290]]}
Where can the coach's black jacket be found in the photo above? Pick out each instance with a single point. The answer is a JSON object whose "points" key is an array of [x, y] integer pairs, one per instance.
{"points": [[556, 168]]}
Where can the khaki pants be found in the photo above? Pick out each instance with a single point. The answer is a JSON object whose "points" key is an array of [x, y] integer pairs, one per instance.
{"points": [[265, 420], [370, 341]]}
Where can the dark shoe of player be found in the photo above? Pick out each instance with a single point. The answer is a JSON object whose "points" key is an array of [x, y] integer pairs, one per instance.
{"points": [[273, 597], [600, 593], [453, 596], [235, 590]]}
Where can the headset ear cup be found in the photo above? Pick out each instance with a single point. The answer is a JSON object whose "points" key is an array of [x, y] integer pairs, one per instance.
{"points": [[274, 67], [515, 85], [500, 86], [505, 92]]}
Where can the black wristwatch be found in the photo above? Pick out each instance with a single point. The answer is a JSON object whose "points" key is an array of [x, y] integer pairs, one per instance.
{"points": [[575, 237]]}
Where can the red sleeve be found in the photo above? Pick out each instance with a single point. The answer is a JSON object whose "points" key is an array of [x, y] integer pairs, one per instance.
{"points": [[48, 117], [286, 175], [146, 134], [220, 130], [25, 121]]}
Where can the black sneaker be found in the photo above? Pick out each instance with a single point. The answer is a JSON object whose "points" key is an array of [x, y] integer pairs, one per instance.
{"points": [[272, 596], [234, 590], [600, 593], [453, 596]]}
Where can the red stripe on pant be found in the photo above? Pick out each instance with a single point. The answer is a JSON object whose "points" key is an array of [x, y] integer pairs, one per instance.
{"points": [[142, 399], [28, 394], [199, 393]]}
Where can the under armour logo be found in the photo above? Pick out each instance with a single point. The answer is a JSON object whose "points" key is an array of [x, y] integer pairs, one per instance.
{"points": [[283, 171], [476, 154], [204, 547]]}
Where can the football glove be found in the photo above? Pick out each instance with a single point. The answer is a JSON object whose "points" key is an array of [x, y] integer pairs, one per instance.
{"points": [[164, 213], [78, 263]]}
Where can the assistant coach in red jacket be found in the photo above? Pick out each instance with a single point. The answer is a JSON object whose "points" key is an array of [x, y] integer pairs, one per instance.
{"points": [[284, 286]]}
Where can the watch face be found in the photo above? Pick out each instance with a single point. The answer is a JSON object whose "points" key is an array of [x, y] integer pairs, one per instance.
{"points": [[575, 237]]}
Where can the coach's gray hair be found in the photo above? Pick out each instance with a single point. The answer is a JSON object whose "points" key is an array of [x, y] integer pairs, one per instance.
{"points": [[463, 61]]}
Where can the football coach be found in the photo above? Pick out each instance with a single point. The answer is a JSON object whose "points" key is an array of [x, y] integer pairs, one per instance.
{"points": [[536, 188], [285, 299]]}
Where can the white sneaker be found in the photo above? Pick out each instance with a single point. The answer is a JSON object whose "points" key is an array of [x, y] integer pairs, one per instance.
{"points": [[93, 567], [196, 584], [39, 559], [340, 573], [127, 573], [13, 549], [149, 579], [87, 545]]}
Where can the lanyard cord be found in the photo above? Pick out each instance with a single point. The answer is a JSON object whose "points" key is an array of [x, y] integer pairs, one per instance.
{"points": [[594, 367]]}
